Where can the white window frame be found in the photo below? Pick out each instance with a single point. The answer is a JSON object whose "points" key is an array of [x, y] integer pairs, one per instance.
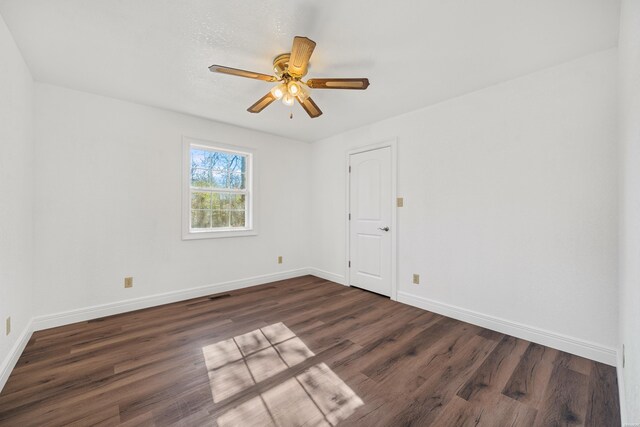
{"points": [[250, 201]]}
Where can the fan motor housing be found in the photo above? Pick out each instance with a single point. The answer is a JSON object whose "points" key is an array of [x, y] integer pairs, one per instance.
{"points": [[281, 64]]}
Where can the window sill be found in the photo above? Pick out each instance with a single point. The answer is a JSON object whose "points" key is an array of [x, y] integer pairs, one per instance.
{"points": [[197, 235]]}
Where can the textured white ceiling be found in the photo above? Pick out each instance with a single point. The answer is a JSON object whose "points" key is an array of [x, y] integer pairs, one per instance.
{"points": [[415, 53]]}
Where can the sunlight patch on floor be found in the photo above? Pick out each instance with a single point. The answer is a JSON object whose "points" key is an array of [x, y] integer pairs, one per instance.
{"points": [[315, 397]]}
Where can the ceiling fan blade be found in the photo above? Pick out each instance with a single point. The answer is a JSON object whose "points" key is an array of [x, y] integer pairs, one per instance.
{"points": [[262, 103], [310, 107], [242, 73], [359, 84], [300, 54]]}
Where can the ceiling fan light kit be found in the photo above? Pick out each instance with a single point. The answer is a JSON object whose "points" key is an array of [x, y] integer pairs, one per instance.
{"points": [[289, 69]]}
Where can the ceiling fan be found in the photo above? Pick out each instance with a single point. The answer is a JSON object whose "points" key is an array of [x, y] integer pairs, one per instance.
{"points": [[290, 68]]}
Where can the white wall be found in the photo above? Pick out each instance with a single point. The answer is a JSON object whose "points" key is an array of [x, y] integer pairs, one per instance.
{"points": [[108, 203], [510, 200], [629, 90], [16, 196]]}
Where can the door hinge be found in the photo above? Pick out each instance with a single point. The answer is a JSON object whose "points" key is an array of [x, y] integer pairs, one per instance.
{"points": [[349, 264], [349, 217], [349, 169]]}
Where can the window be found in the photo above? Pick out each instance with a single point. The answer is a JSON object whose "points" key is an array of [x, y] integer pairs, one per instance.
{"points": [[218, 191]]}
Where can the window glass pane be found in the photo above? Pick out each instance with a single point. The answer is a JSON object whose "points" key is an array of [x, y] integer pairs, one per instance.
{"points": [[220, 179], [200, 200], [220, 201], [200, 218], [237, 163], [220, 218], [237, 219], [236, 201], [217, 160], [237, 180], [198, 158], [207, 159], [200, 177]]}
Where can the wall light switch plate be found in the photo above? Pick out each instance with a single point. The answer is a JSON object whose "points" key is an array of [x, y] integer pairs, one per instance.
{"points": [[280, 259], [400, 202], [8, 325], [416, 279], [128, 282]]}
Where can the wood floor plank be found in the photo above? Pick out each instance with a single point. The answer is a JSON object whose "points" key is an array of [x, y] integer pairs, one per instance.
{"points": [[492, 375], [109, 416], [392, 315], [566, 399], [385, 343], [386, 363], [425, 360], [530, 378], [300, 351], [575, 363], [443, 376], [602, 407], [497, 410]]}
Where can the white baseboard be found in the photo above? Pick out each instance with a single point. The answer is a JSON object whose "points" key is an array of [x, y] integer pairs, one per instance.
{"points": [[621, 390], [555, 340], [109, 309], [327, 275], [14, 354]]}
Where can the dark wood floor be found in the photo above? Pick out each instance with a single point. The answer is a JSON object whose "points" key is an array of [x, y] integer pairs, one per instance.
{"points": [[299, 352]]}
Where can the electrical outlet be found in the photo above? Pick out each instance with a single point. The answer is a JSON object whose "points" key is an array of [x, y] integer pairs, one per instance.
{"points": [[416, 279], [128, 282], [400, 202], [8, 325], [280, 259]]}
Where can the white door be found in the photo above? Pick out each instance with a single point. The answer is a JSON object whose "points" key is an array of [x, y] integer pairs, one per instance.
{"points": [[370, 231]]}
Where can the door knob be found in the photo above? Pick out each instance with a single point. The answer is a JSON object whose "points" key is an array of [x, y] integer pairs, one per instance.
{"points": [[384, 229]]}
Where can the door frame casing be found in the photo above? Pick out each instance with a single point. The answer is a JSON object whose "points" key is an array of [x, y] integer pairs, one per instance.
{"points": [[393, 144]]}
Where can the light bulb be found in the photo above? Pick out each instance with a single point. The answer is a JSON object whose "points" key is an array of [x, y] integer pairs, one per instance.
{"points": [[294, 87], [287, 99], [304, 92], [278, 91]]}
